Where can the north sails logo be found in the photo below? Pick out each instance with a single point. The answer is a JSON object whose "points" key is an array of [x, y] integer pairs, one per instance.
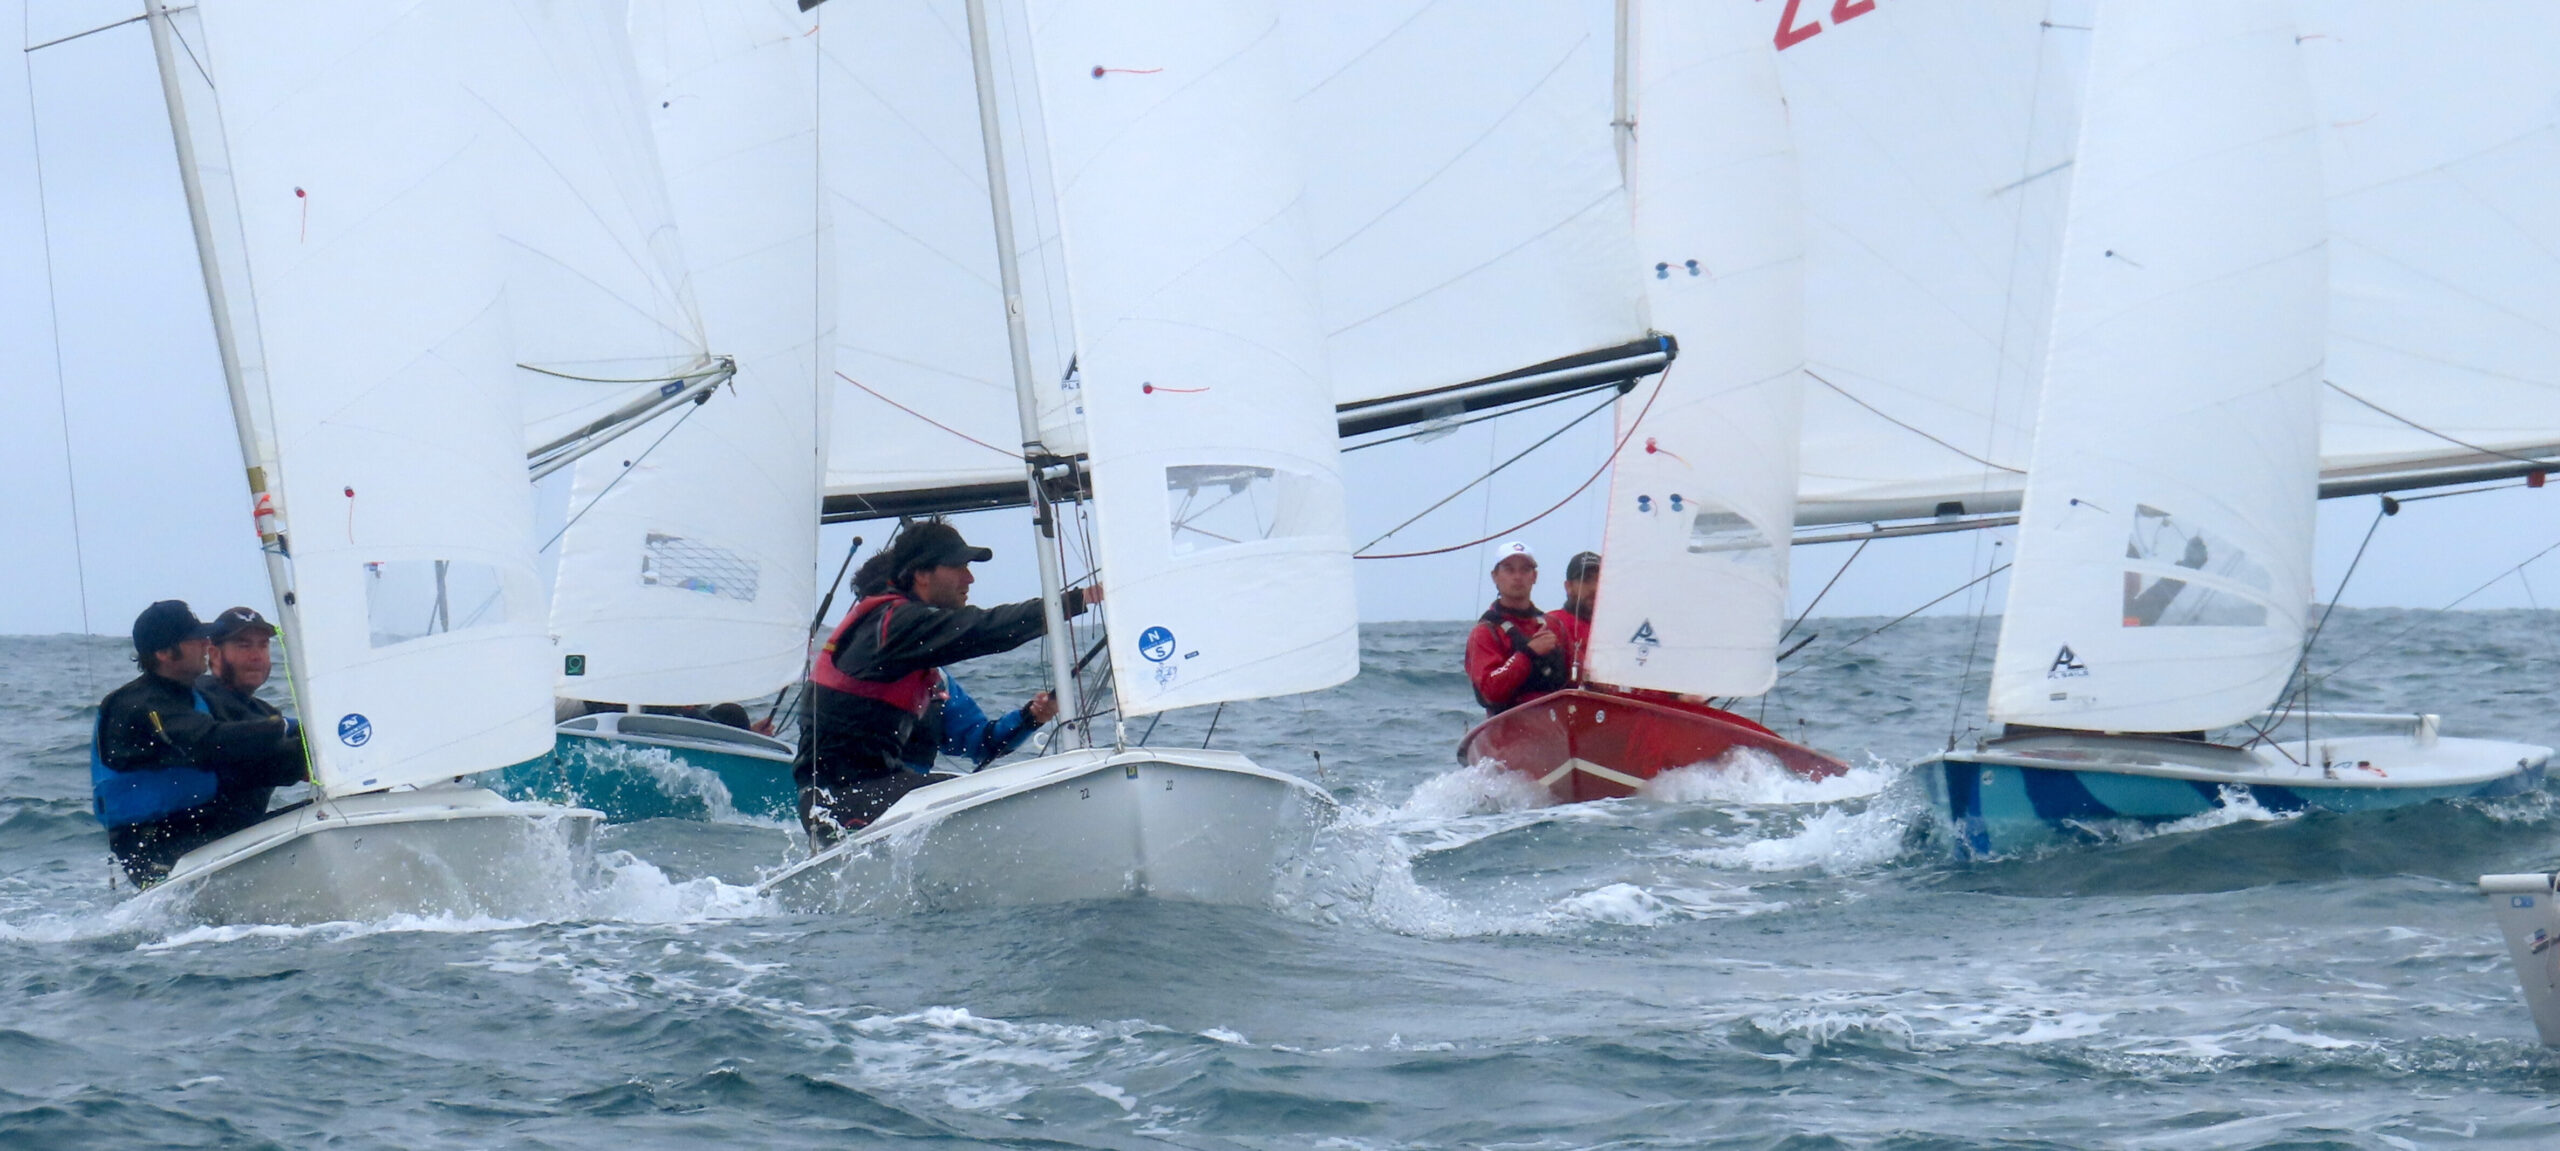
{"points": [[2065, 665], [1644, 641]]}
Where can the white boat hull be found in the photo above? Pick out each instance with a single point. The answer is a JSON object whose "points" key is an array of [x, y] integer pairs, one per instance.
{"points": [[2528, 910], [443, 851], [2028, 790], [1200, 826]]}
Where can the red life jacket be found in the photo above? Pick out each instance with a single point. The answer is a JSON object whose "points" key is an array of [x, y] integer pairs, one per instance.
{"points": [[910, 693]]}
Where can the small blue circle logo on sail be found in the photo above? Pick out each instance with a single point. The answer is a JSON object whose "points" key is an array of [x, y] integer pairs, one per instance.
{"points": [[1156, 644], [354, 729]]}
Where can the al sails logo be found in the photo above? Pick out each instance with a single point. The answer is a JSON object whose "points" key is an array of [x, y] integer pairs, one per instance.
{"points": [[2065, 665], [1644, 641]]}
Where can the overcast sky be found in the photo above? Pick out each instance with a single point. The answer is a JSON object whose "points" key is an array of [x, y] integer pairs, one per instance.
{"points": [[122, 477]]}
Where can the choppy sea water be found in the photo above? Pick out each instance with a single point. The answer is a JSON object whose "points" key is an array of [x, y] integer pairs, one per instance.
{"points": [[1736, 961]]}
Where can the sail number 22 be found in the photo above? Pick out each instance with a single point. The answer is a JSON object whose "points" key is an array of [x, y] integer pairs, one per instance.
{"points": [[1791, 33]]}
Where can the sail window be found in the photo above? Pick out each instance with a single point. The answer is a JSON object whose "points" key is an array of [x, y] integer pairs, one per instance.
{"points": [[2172, 571], [1727, 536], [1210, 506], [691, 565], [413, 599]]}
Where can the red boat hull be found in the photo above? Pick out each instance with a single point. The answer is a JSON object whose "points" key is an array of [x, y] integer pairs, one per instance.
{"points": [[1582, 744]]}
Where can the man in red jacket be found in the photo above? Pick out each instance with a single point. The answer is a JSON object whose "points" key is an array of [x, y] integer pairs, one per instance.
{"points": [[1513, 655]]}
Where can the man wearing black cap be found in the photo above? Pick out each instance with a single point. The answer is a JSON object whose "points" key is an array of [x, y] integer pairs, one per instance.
{"points": [[1572, 623], [166, 774], [875, 677], [241, 663]]}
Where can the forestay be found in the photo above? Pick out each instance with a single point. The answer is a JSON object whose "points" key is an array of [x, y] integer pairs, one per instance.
{"points": [[1702, 497], [1217, 493], [1464, 193], [687, 575], [2440, 137], [2164, 557], [923, 394], [347, 168], [1935, 139]]}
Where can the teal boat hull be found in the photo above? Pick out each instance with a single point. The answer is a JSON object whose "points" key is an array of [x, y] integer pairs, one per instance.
{"points": [[632, 768]]}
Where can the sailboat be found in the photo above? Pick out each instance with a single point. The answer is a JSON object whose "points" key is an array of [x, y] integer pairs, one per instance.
{"points": [[685, 569], [1210, 448], [1692, 595], [2162, 581], [348, 185]]}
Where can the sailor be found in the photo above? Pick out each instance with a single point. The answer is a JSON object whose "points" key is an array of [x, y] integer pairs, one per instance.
{"points": [[242, 661], [168, 775], [876, 675], [1514, 655], [1572, 622], [953, 724]]}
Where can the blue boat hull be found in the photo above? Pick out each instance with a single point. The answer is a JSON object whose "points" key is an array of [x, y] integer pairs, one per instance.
{"points": [[2001, 808], [630, 781]]}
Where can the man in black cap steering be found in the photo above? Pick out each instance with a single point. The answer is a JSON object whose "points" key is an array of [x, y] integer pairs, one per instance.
{"points": [[875, 677], [242, 661], [167, 775]]}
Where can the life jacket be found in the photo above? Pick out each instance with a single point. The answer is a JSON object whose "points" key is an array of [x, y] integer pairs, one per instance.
{"points": [[910, 693], [1546, 673], [122, 798]]}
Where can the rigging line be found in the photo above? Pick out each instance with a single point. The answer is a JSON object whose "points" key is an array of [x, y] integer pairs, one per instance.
{"points": [[929, 419], [1213, 724], [1972, 649], [2333, 386], [1661, 382], [53, 319], [1431, 428], [1952, 593], [1844, 394], [1826, 590], [1496, 470], [2458, 601], [77, 35], [2297, 685], [617, 479], [688, 377]]}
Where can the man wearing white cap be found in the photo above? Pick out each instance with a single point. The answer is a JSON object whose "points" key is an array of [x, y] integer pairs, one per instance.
{"points": [[1513, 656]]}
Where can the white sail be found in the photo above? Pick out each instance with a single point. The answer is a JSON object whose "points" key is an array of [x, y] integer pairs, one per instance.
{"points": [[1935, 139], [1464, 192], [1702, 497], [687, 575], [1217, 492], [348, 168], [600, 312], [923, 383], [2164, 555], [2440, 137]]}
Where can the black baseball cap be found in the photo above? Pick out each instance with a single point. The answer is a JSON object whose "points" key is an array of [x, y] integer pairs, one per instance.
{"points": [[1583, 565], [237, 620], [932, 545], [165, 625]]}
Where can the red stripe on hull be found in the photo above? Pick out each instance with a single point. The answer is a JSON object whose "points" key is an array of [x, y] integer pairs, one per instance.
{"points": [[1621, 736]]}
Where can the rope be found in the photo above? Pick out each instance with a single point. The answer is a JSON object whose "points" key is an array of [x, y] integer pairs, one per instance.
{"points": [[1844, 394], [1972, 651], [1661, 382], [1826, 590], [617, 479], [1907, 615], [2431, 431], [1494, 471], [2457, 602], [929, 419], [53, 314]]}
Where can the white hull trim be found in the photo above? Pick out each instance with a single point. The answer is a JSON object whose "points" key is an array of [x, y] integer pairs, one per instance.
{"points": [[1192, 825], [455, 851]]}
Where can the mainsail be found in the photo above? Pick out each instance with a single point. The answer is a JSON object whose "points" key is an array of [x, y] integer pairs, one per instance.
{"points": [[1217, 493], [2164, 554], [2440, 139], [1702, 497], [343, 164], [686, 574], [1935, 139]]}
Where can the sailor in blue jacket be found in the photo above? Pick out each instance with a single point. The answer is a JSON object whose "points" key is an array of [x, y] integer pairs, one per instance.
{"points": [[953, 724], [167, 775]]}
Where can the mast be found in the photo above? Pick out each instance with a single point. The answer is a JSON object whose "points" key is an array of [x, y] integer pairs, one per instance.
{"points": [[1018, 342], [265, 475]]}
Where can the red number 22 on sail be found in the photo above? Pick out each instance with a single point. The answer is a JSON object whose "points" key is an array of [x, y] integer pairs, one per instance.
{"points": [[1791, 34]]}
